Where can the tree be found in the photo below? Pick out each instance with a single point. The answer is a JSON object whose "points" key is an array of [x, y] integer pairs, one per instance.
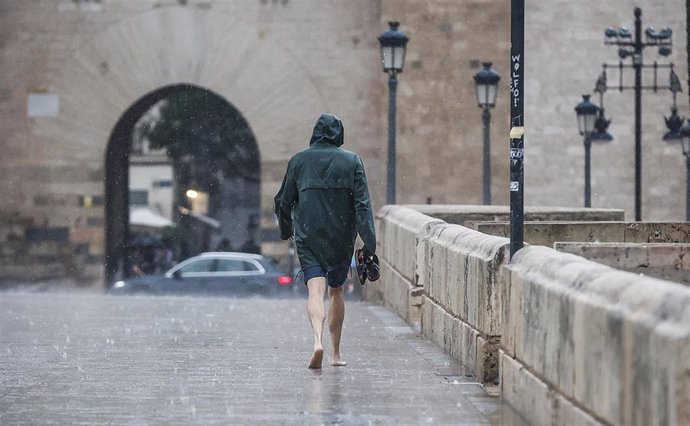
{"points": [[201, 131]]}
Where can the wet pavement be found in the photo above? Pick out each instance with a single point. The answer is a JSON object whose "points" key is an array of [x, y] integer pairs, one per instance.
{"points": [[69, 358]]}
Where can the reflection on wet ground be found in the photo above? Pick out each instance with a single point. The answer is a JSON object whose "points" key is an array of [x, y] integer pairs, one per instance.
{"points": [[89, 358]]}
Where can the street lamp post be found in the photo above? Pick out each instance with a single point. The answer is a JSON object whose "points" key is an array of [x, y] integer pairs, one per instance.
{"points": [[632, 47], [393, 45], [685, 133], [587, 113], [486, 81]]}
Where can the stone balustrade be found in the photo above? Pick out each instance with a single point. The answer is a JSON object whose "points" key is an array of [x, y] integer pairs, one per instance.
{"points": [[668, 261], [416, 254], [546, 233], [459, 214], [571, 341], [583, 343]]}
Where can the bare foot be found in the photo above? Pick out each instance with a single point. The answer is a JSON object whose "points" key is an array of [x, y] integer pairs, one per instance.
{"points": [[316, 358], [337, 362]]}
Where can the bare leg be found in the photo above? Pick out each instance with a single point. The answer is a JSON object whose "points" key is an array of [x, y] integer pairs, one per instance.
{"points": [[317, 316], [336, 315]]}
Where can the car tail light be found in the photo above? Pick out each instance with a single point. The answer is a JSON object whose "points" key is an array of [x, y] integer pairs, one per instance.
{"points": [[284, 280]]}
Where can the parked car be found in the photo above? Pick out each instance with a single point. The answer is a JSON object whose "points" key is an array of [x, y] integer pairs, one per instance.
{"points": [[214, 273]]}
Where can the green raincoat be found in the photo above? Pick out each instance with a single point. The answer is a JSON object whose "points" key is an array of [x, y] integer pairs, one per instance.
{"points": [[325, 191]]}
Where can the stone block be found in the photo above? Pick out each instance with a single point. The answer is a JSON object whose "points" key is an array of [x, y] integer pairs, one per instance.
{"points": [[595, 368], [657, 358], [433, 325], [467, 348], [397, 295], [465, 267], [511, 294], [523, 391], [416, 305], [657, 232], [399, 229], [423, 261], [569, 414], [479, 354], [487, 359], [457, 303]]}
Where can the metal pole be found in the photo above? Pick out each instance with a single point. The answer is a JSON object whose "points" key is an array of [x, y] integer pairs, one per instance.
{"points": [[637, 64], [687, 188], [517, 130], [392, 87], [486, 121], [588, 189]]}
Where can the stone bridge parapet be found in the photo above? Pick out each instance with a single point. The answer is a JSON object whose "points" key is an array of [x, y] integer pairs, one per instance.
{"points": [[569, 340], [583, 343]]}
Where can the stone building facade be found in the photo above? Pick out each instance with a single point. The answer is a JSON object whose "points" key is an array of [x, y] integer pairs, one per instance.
{"points": [[70, 69]]}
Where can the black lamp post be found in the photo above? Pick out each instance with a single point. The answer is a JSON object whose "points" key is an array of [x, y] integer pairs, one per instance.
{"points": [[685, 133], [486, 81], [631, 44], [393, 45], [587, 112]]}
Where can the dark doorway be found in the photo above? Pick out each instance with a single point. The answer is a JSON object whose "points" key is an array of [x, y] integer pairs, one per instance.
{"points": [[211, 151]]}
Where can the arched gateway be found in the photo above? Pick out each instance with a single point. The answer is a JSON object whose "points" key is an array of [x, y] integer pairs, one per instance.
{"points": [[232, 182], [106, 63]]}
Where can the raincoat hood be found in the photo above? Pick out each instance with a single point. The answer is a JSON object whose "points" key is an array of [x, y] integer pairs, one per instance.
{"points": [[329, 129]]}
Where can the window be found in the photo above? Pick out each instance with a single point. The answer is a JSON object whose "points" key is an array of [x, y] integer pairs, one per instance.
{"points": [[139, 198], [202, 265], [235, 265]]}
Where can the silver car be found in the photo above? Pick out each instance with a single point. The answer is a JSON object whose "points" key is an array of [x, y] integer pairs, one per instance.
{"points": [[214, 273]]}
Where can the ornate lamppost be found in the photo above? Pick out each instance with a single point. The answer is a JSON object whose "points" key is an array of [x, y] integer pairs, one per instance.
{"points": [[393, 45], [587, 112], [631, 45], [486, 82]]}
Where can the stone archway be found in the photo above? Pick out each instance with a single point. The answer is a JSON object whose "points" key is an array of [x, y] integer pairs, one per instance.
{"points": [[235, 204], [279, 83]]}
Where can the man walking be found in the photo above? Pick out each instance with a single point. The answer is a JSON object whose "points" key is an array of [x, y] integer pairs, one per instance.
{"points": [[325, 190]]}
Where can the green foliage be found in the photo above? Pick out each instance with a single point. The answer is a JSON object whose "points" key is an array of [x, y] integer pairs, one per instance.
{"points": [[198, 126]]}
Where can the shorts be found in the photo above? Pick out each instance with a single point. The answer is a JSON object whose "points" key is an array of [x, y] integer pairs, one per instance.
{"points": [[335, 277]]}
